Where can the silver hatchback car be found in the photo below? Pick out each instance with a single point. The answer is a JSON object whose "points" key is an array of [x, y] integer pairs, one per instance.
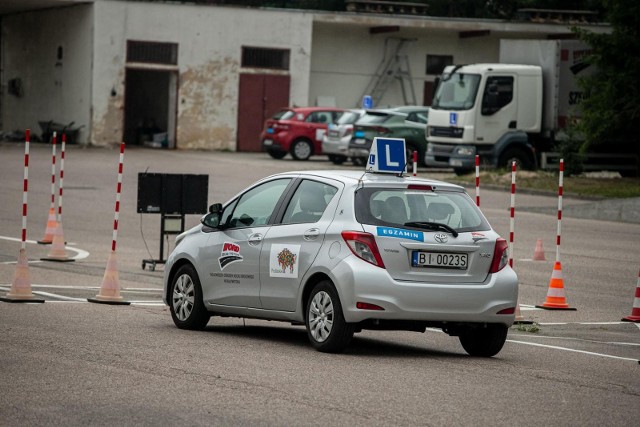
{"points": [[343, 251]]}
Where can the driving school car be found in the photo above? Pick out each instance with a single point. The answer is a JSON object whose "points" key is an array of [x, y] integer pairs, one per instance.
{"points": [[343, 251]]}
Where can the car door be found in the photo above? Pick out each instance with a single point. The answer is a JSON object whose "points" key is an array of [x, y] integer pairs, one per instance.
{"points": [[316, 124], [232, 255], [291, 245]]}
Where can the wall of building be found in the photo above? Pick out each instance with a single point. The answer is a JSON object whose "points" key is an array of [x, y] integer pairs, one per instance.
{"points": [[52, 89], [210, 41]]}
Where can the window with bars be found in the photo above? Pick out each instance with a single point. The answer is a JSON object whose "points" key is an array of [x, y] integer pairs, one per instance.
{"points": [[259, 57], [152, 52]]}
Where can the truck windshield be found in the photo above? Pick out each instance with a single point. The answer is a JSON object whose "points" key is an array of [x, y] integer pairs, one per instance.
{"points": [[458, 92]]}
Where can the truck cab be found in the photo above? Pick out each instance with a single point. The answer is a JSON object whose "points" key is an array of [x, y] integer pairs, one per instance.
{"points": [[487, 109]]}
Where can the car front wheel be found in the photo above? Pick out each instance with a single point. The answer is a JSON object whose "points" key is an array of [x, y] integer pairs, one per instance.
{"points": [[484, 342], [185, 302], [326, 327]]}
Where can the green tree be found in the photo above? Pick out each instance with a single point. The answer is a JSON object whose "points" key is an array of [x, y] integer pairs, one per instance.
{"points": [[611, 107]]}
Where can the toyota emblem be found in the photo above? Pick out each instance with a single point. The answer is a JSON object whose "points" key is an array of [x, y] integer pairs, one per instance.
{"points": [[441, 238]]}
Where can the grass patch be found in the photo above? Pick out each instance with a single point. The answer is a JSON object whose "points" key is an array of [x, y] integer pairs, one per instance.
{"points": [[534, 329], [583, 185]]}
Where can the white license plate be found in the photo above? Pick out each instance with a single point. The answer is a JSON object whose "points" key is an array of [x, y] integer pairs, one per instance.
{"points": [[439, 260], [360, 141], [267, 142]]}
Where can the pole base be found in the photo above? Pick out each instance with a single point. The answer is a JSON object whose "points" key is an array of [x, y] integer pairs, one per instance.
{"points": [[549, 307], [523, 322], [45, 242], [57, 259], [98, 300], [21, 299]]}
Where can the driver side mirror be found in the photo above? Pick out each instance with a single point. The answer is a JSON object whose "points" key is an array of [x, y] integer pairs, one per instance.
{"points": [[212, 219]]}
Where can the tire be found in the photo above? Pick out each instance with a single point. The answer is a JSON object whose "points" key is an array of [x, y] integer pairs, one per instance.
{"points": [[522, 159], [359, 161], [302, 149], [336, 159], [461, 171], [484, 342], [277, 154], [326, 327], [185, 300]]}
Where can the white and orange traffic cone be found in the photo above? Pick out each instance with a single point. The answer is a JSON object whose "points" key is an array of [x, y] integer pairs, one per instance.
{"points": [[58, 252], [556, 299], [110, 289], [635, 310], [51, 228], [21, 286], [519, 319], [538, 253]]}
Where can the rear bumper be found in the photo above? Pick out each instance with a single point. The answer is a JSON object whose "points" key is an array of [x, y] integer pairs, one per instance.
{"points": [[358, 281], [335, 146]]}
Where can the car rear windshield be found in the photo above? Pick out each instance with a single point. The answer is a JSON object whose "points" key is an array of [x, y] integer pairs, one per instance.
{"points": [[399, 207], [374, 118], [284, 115], [348, 117]]}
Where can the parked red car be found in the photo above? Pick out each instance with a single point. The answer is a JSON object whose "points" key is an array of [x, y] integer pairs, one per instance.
{"points": [[298, 131]]}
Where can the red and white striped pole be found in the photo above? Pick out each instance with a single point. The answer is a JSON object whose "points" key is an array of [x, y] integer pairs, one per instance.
{"points": [[53, 171], [513, 212], [415, 163], [118, 189], [64, 141], [25, 190], [110, 289], [560, 190], [477, 180]]}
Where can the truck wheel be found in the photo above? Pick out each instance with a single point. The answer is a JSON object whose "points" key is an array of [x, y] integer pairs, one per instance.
{"points": [[522, 159], [301, 149], [337, 159], [484, 342]]}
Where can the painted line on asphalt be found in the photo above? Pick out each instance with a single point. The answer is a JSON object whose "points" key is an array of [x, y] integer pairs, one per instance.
{"points": [[527, 307], [64, 298], [555, 347], [80, 253], [578, 339], [581, 323]]}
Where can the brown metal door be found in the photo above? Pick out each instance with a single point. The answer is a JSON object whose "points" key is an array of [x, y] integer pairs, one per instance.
{"points": [[260, 96]]}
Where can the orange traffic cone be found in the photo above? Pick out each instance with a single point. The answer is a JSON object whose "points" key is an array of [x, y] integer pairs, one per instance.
{"points": [[635, 311], [21, 286], [110, 290], [538, 253], [57, 251], [555, 295], [520, 320], [51, 228]]}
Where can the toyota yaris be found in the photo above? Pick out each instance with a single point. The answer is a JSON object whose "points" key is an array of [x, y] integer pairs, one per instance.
{"points": [[344, 251]]}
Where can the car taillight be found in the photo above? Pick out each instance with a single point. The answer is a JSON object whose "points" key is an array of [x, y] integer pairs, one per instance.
{"points": [[381, 129], [500, 256], [348, 130], [363, 245], [279, 126]]}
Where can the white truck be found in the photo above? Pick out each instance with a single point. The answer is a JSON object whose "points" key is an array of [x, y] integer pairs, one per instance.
{"points": [[512, 110]]}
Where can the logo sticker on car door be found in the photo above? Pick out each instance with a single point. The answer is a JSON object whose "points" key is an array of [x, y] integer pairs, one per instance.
{"points": [[283, 261], [230, 253]]}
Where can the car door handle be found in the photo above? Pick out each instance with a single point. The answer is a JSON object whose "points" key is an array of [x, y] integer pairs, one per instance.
{"points": [[255, 239], [311, 234]]}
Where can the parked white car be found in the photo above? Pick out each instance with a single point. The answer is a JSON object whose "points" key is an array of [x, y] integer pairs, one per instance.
{"points": [[335, 142]]}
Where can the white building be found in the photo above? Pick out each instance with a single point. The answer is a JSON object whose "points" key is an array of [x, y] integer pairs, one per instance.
{"points": [[209, 75]]}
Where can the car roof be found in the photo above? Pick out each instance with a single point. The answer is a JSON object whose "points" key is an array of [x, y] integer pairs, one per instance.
{"points": [[312, 109], [351, 177], [410, 108]]}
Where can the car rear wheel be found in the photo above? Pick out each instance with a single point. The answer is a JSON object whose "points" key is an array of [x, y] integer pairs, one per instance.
{"points": [[326, 327], [277, 154], [484, 342], [185, 301], [301, 149], [337, 159]]}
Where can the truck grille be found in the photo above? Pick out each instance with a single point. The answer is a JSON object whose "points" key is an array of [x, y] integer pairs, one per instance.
{"points": [[449, 132]]}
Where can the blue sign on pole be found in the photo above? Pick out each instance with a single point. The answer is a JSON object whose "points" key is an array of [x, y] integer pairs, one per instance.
{"points": [[387, 155], [367, 102], [453, 118]]}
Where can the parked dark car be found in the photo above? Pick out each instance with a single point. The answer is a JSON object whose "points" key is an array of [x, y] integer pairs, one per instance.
{"points": [[398, 122], [298, 131]]}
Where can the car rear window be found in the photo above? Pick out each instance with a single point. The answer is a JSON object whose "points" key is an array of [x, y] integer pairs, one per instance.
{"points": [[395, 207], [373, 118], [284, 115], [348, 117]]}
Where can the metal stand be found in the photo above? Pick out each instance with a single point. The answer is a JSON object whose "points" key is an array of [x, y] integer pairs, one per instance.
{"points": [[169, 224]]}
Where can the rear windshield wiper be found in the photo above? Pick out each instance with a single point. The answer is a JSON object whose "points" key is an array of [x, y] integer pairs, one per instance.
{"points": [[431, 226]]}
